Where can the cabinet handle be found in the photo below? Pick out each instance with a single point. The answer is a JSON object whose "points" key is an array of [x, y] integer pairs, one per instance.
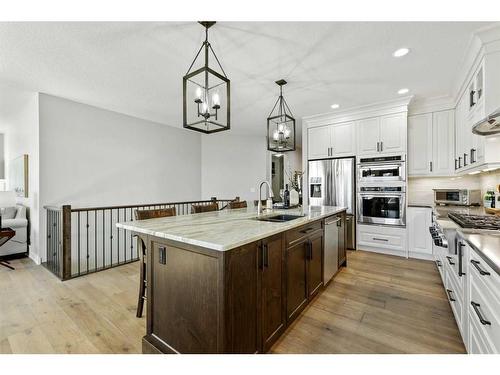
{"points": [[309, 243], [266, 256], [450, 261], [459, 162], [473, 155], [438, 263], [460, 260], [450, 296], [430, 166], [381, 146], [262, 256], [476, 307], [309, 230], [456, 161], [465, 159], [378, 146], [472, 103], [475, 263], [380, 239]]}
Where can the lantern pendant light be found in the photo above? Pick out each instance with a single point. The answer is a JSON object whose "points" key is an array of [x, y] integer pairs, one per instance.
{"points": [[206, 91], [281, 125]]}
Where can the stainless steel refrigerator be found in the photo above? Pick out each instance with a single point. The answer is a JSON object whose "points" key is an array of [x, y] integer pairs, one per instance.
{"points": [[332, 183]]}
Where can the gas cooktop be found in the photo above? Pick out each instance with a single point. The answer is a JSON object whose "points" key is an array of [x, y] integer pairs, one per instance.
{"points": [[476, 221]]}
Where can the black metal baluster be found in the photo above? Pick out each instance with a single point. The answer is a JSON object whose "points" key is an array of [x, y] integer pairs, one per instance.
{"points": [[118, 236], [78, 242], [111, 236], [87, 229], [103, 241]]}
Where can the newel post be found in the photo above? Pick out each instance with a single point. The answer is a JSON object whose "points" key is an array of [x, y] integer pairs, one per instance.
{"points": [[66, 242]]}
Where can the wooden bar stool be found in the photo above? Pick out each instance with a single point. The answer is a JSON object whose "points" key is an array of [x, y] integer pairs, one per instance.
{"points": [[199, 208], [237, 204], [144, 215]]}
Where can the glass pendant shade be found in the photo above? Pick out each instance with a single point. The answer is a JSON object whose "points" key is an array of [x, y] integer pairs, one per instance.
{"points": [[281, 125], [206, 91]]}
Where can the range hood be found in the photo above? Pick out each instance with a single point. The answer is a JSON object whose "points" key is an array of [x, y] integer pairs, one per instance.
{"points": [[488, 126]]}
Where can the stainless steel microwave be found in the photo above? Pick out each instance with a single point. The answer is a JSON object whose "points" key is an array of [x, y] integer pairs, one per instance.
{"points": [[459, 197], [382, 169]]}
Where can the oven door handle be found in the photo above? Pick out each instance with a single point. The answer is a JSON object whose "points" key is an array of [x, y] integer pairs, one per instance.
{"points": [[378, 195]]}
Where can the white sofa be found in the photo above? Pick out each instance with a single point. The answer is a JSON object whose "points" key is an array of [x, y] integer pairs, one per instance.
{"points": [[13, 216]]}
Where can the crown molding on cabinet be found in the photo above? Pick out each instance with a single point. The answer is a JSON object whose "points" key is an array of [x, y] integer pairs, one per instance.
{"points": [[428, 105], [357, 113], [484, 41]]}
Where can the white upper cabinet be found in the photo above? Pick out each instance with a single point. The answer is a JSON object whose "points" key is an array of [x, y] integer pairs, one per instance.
{"points": [[336, 140], [443, 143], [368, 136], [318, 144], [419, 144], [393, 133], [343, 139], [431, 144], [382, 135]]}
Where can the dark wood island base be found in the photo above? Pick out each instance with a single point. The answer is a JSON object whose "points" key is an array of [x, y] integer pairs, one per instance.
{"points": [[236, 301]]}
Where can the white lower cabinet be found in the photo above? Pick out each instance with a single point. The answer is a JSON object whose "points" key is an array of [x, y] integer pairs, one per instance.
{"points": [[418, 221], [483, 306], [380, 238], [474, 298]]}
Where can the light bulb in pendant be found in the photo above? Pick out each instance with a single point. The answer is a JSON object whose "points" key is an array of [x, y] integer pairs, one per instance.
{"points": [[216, 100], [204, 107], [198, 93], [275, 135]]}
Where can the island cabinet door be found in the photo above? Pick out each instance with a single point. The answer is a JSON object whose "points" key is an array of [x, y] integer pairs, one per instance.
{"points": [[183, 302], [242, 328], [296, 283], [315, 264], [273, 290]]}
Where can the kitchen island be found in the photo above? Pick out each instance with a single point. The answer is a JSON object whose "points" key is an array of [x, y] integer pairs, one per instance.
{"points": [[231, 281]]}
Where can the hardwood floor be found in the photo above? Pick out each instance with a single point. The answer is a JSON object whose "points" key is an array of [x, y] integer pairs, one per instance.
{"points": [[379, 304], [92, 314]]}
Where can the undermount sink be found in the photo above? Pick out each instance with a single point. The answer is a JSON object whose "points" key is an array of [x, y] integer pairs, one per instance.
{"points": [[279, 218]]}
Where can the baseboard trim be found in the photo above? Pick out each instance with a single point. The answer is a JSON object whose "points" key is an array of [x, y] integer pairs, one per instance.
{"points": [[422, 256], [35, 258], [383, 251]]}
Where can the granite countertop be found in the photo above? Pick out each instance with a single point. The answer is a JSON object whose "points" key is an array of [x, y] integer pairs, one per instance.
{"points": [[226, 229], [486, 243]]}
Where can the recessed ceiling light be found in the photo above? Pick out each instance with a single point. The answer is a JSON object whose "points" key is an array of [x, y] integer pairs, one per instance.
{"points": [[403, 91], [335, 106], [401, 52]]}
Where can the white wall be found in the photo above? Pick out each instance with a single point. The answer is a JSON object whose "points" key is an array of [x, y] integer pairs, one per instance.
{"points": [[94, 157], [19, 124], [233, 165]]}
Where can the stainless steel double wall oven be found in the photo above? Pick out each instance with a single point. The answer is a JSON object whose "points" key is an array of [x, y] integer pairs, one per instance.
{"points": [[382, 191]]}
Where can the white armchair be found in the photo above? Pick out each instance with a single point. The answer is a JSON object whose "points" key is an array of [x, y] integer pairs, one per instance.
{"points": [[13, 216]]}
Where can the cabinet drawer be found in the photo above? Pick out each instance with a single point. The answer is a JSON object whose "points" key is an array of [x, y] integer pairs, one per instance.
{"points": [[382, 237], [456, 299], [491, 279], [477, 343], [451, 264], [485, 305], [440, 266], [295, 235]]}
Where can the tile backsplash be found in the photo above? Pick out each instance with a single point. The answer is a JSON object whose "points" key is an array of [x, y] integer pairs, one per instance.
{"points": [[420, 188]]}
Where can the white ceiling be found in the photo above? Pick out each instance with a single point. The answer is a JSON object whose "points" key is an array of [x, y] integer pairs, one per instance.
{"points": [[137, 68]]}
